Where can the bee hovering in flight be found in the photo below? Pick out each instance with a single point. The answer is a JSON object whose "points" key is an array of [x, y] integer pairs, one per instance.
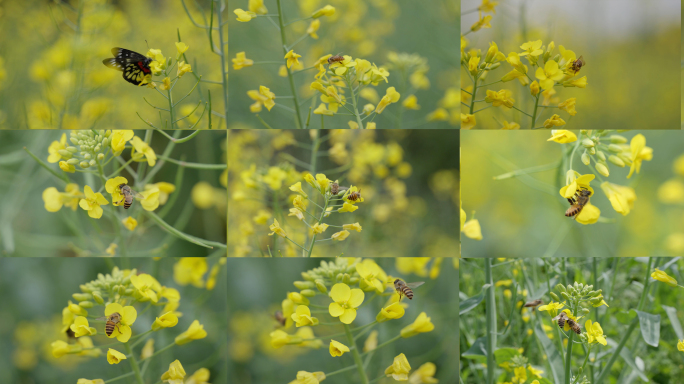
{"points": [[533, 304], [578, 202], [278, 315], [128, 195], [404, 288]]}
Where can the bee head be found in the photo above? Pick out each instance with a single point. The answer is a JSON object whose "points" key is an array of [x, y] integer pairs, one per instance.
{"points": [[397, 281]]}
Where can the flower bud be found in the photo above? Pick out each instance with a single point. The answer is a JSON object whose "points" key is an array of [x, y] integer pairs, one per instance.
{"points": [[354, 280], [601, 155], [65, 154], [616, 160], [586, 159], [86, 304], [98, 297], [74, 140], [617, 139], [494, 66], [87, 156], [72, 149], [72, 161], [554, 296], [321, 286], [565, 296], [303, 284], [614, 148], [307, 292], [82, 296], [585, 310], [560, 288], [602, 169], [598, 292], [100, 156], [93, 163], [129, 291], [588, 143], [306, 276], [346, 279], [592, 150], [84, 164]]}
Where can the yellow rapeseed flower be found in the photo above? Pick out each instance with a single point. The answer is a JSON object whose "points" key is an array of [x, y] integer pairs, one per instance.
{"points": [[340, 236], [114, 356], [422, 324], [472, 229], [80, 327], [304, 377], [302, 316], [92, 202], [195, 332], [346, 300], [142, 151], [680, 346], [328, 10], [483, 22], [190, 270], [532, 48], [392, 96], [130, 223], [503, 97], [128, 314], [313, 28], [664, 277], [554, 121], [549, 74], [337, 348], [467, 121], [595, 333], [292, 58], [425, 374], [119, 139], [621, 198], [393, 311], [399, 369], [244, 16], [568, 106], [639, 152], [54, 149], [175, 374], [562, 136]]}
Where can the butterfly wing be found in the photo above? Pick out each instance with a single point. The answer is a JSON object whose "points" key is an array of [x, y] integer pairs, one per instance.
{"points": [[133, 73], [126, 55]]}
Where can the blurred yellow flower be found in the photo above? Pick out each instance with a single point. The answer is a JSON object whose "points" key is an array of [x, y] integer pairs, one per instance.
{"points": [[554, 121], [201, 376], [263, 96], [323, 110], [411, 102], [181, 48], [340, 236], [54, 149], [503, 97], [195, 332], [467, 121], [422, 324], [579, 83], [258, 7], [399, 369], [664, 278], [337, 348], [114, 356], [670, 192], [392, 96], [297, 187], [190, 270], [472, 229], [639, 152], [150, 199], [142, 151], [568, 106], [371, 341], [313, 28], [352, 227], [183, 68], [304, 377], [92, 202], [146, 286], [346, 300], [520, 375], [94, 381], [328, 10], [680, 346], [514, 60], [244, 16], [621, 198], [275, 228], [166, 84], [425, 374], [241, 61], [483, 22]]}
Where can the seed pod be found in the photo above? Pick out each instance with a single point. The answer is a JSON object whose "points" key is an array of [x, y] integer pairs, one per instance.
{"points": [[494, 66]]}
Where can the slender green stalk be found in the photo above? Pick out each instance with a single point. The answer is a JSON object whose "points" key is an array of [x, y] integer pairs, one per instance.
{"points": [[568, 358], [125, 375], [159, 351], [356, 110], [534, 114], [472, 98], [298, 119], [193, 165], [490, 321], [134, 364], [354, 350], [224, 72]]}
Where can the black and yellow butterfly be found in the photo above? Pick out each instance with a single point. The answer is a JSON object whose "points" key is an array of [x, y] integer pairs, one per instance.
{"points": [[133, 65]]}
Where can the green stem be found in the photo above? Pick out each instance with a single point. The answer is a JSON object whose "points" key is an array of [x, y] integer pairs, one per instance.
{"points": [[490, 321], [193, 165], [134, 364], [386, 343], [568, 357], [224, 74], [125, 375], [159, 351], [298, 120], [472, 98], [534, 114], [354, 349], [356, 110]]}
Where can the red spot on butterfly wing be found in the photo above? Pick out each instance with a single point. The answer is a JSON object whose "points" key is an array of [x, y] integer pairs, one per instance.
{"points": [[143, 67]]}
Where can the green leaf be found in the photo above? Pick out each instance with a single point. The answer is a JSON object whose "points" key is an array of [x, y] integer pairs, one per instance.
{"points": [[555, 359], [627, 356], [625, 317], [650, 327], [674, 321], [503, 355], [467, 305], [477, 351]]}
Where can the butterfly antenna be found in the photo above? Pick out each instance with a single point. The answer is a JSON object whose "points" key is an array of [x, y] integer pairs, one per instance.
{"points": [[148, 44]]}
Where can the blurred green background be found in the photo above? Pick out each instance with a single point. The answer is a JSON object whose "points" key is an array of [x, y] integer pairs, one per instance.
{"points": [[519, 218], [257, 287], [35, 291], [53, 68], [409, 180], [365, 29], [29, 230], [621, 280], [629, 47]]}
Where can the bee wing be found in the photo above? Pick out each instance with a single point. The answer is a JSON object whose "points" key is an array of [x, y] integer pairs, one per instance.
{"points": [[415, 285], [581, 60], [562, 314], [137, 195], [102, 318]]}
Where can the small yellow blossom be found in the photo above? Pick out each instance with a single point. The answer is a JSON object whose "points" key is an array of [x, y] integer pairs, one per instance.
{"points": [[472, 229], [302, 316], [680, 346], [664, 278], [346, 207], [399, 369], [94, 381], [579, 83], [292, 58], [128, 315], [621, 198], [551, 307], [595, 333], [130, 223], [503, 97], [340, 236], [195, 332], [337, 348], [183, 68], [346, 300], [554, 121], [639, 152], [510, 126], [114, 356], [175, 374], [425, 374], [549, 74], [568, 106], [166, 84], [393, 311], [80, 327], [328, 10], [304, 377], [392, 96], [562, 136], [190, 270], [150, 199], [92, 202], [411, 102], [323, 110], [319, 228], [263, 96], [467, 121], [313, 28], [120, 138], [352, 227], [54, 149], [142, 151], [146, 286], [532, 48], [275, 227], [297, 187], [483, 22], [422, 324], [241, 61]]}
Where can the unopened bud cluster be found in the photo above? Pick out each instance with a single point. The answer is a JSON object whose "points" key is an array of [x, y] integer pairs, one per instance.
{"points": [[111, 285], [574, 294], [603, 149], [88, 148], [328, 274]]}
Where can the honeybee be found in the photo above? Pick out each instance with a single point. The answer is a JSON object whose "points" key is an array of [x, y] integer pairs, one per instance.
{"points": [[71, 335], [356, 195], [533, 304], [577, 202], [278, 315], [334, 188], [405, 288], [335, 59], [576, 65], [113, 321], [562, 318], [128, 195]]}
